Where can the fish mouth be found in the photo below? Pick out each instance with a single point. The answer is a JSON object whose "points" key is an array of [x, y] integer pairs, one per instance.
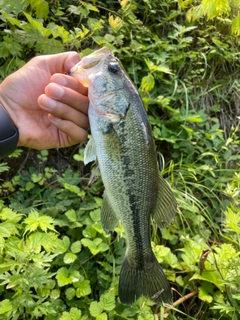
{"points": [[91, 60]]}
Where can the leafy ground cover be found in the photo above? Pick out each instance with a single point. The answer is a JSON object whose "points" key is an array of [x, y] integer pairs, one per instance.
{"points": [[56, 262]]}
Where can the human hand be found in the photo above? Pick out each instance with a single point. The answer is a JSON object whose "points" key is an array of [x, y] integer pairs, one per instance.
{"points": [[48, 107]]}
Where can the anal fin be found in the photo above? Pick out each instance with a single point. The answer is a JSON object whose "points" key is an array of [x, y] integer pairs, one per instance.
{"points": [[166, 207]]}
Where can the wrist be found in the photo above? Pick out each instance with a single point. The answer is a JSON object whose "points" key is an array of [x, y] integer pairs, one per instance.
{"points": [[8, 134]]}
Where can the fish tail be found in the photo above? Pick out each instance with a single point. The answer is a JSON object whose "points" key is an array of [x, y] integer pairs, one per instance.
{"points": [[146, 280]]}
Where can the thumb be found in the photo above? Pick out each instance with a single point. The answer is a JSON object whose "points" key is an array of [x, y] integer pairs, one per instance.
{"points": [[63, 62]]}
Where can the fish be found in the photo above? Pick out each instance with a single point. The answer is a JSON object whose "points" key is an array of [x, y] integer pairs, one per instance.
{"points": [[135, 192]]}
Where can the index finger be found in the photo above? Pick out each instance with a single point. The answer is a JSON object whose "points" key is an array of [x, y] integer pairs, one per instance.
{"points": [[70, 82]]}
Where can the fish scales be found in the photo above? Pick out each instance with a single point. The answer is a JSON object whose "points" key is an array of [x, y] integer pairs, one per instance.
{"points": [[123, 144]]}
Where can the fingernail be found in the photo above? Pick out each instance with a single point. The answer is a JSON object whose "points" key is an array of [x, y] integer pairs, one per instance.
{"points": [[55, 90], [48, 103], [59, 80]]}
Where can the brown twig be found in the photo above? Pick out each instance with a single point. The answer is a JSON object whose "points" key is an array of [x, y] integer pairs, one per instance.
{"points": [[180, 300]]}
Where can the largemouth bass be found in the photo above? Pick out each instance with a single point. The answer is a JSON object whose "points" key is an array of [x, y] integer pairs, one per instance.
{"points": [[122, 142]]}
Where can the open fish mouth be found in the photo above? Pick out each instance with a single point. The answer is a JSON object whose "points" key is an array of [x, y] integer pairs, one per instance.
{"points": [[91, 60]]}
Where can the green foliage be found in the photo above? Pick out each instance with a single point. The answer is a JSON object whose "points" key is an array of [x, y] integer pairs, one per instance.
{"points": [[225, 11], [56, 260]]}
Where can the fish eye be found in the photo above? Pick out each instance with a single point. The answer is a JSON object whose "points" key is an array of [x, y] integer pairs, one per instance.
{"points": [[113, 67]]}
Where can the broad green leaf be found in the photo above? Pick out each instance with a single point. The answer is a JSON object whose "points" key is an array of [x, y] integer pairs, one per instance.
{"points": [[63, 277], [55, 294], [83, 289], [70, 293], [236, 25], [36, 220], [205, 292], [63, 244], [74, 189], [38, 239], [69, 257], [42, 10], [95, 215], [123, 3], [148, 83], [9, 214], [71, 214], [75, 276], [89, 232], [65, 316], [5, 306], [115, 23], [76, 246], [108, 301], [36, 177], [38, 25], [75, 313], [95, 309], [29, 186], [102, 316], [215, 8], [7, 229], [11, 19], [58, 31], [3, 167]]}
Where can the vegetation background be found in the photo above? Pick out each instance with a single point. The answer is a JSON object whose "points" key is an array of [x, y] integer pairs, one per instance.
{"points": [[56, 262]]}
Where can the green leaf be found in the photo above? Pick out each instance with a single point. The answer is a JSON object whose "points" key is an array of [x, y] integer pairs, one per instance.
{"points": [[3, 167], [63, 278], [5, 306], [11, 19], [42, 10], [66, 316], [95, 246], [102, 316], [36, 177], [9, 214], [108, 301], [95, 215], [215, 8], [83, 289], [7, 229], [205, 292], [71, 214], [29, 186], [70, 293], [55, 294], [115, 23], [63, 245], [76, 246], [236, 25], [95, 309], [36, 220], [148, 83], [69, 257], [75, 313], [75, 276], [38, 239]]}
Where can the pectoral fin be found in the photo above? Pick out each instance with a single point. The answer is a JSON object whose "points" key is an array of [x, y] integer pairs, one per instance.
{"points": [[90, 151], [108, 218], [166, 205]]}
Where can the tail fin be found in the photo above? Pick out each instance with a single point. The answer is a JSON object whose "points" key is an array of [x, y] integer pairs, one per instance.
{"points": [[147, 280]]}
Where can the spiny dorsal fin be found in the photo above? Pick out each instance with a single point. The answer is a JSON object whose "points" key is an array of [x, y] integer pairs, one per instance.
{"points": [[108, 218], [166, 207]]}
